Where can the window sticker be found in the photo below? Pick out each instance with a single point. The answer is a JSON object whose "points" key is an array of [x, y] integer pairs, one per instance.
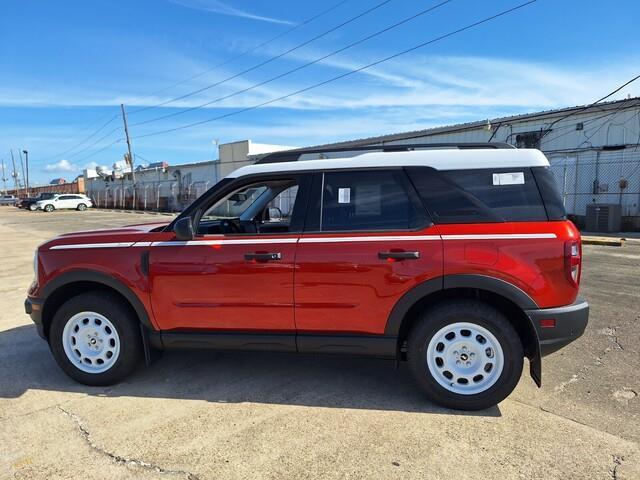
{"points": [[344, 195], [512, 178]]}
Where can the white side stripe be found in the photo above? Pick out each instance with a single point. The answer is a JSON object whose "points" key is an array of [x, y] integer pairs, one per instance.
{"points": [[368, 239], [500, 236], [92, 245], [262, 241], [243, 241]]}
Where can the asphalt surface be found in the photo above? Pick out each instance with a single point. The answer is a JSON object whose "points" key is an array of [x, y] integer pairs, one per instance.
{"points": [[201, 415]]}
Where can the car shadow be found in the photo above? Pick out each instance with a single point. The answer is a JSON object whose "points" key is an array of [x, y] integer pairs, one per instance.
{"points": [[229, 377]]}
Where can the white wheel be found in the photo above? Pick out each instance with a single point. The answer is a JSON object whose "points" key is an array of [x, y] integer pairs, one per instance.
{"points": [[465, 358], [82, 207], [33, 207], [91, 342]]}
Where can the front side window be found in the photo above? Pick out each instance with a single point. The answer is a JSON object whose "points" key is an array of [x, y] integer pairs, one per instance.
{"points": [[368, 201], [262, 207]]}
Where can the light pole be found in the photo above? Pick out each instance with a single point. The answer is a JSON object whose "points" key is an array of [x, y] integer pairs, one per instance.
{"points": [[26, 156]]}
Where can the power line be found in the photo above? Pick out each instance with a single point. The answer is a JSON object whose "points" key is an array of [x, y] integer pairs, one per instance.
{"points": [[305, 65], [265, 62], [118, 140], [591, 104], [348, 73], [102, 127], [240, 55], [95, 143]]}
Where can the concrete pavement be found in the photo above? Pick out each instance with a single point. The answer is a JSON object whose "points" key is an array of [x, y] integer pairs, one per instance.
{"points": [[202, 415]]}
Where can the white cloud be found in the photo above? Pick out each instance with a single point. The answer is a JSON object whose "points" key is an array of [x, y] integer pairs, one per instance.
{"points": [[216, 6], [61, 166]]}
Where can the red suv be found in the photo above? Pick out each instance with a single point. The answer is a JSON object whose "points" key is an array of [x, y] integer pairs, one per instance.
{"points": [[458, 260]]}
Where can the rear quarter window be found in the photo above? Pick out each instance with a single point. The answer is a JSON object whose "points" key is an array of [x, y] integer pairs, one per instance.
{"points": [[479, 195]]}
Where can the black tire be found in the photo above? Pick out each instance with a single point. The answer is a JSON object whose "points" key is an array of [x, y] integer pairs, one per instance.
{"points": [[433, 320], [48, 208], [82, 207], [127, 327]]}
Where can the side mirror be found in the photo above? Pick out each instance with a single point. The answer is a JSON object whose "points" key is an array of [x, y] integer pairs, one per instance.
{"points": [[183, 229]]}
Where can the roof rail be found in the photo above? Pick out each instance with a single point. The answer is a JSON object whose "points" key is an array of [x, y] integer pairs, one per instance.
{"points": [[294, 155]]}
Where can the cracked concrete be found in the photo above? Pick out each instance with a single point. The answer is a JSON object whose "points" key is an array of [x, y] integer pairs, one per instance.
{"points": [[224, 416], [84, 432]]}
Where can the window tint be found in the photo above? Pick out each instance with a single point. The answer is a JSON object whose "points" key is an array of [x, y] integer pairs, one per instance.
{"points": [[550, 194], [479, 195], [66, 197], [369, 200]]}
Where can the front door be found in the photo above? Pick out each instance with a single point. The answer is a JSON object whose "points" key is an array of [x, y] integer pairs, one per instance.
{"points": [[237, 273], [368, 241]]}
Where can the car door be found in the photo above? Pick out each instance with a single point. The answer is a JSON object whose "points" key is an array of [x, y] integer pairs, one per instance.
{"points": [[237, 273], [64, 201], [368, 241]]}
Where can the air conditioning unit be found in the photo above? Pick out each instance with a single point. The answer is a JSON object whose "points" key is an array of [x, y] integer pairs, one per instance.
{"points": [[604, 217]]}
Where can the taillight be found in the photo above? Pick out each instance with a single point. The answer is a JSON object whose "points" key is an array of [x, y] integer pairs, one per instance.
{"points": [[573, 261]]}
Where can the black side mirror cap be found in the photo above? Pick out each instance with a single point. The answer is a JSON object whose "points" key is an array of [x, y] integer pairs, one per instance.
{"points": [[183, 229]]}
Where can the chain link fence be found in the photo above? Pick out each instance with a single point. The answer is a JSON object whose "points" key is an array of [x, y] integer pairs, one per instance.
{"points": [[600, 177]]}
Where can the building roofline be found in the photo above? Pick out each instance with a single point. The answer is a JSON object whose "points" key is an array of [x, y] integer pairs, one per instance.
{"points": [[600, 107]]}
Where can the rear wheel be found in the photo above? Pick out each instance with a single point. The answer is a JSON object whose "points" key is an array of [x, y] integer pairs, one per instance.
{"points": [[465, 355], [48, 208], [33, 207], [95, 339], [82, 207]]}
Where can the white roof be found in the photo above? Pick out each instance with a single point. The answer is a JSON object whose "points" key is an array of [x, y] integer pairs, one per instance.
{"points": [[442, 159]]}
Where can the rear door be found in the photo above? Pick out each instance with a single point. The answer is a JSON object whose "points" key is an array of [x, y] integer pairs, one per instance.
{"points": [[64, 201], [367, 241]]}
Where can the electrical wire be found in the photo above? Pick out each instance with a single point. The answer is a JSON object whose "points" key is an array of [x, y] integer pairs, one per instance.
{"points": [[102, 127], [300, 67], [237, 57], [267, 61], [348, 73]]}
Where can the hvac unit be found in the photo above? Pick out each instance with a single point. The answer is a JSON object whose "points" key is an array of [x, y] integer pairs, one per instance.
{"points": [[604, 217]]}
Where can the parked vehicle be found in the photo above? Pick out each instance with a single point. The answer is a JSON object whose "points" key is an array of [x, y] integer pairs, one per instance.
{"points": [[459, 261], [75, 201], [8, 200], [29, 203]]}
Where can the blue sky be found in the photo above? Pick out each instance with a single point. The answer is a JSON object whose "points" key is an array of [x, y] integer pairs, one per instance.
{"points": [[67, 65]]}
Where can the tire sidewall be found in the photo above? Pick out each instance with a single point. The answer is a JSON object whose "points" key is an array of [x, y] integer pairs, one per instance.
{"points": [[484, 316], [124, 323]]}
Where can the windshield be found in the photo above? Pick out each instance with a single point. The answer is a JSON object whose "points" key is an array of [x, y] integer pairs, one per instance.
{"points": [[235, 204]]}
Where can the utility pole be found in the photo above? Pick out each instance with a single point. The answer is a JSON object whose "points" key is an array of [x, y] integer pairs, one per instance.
{"points": [[14, 173], [26, 159], [126, 132], [22, 168], [4, 179]]}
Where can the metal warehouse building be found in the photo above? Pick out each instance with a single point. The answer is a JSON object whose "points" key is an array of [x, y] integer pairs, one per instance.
{"points": [[594, 152]]}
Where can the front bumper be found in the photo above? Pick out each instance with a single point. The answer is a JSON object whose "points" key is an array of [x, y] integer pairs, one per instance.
{"points": [[570, 323], [33, 308]]}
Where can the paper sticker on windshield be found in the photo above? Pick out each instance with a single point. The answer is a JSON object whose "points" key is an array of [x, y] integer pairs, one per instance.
{"points": [[344, 195], [512, 178]]}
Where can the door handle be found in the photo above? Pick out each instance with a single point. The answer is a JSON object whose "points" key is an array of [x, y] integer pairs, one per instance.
{"points": [[263, 257], [398, 255]]}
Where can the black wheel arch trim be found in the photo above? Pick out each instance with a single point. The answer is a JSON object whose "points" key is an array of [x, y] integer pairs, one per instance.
{"points": [[105, 279], [482, 282]]}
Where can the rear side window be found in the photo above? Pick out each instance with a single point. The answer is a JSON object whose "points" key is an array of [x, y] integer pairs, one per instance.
{"points": [[550, 193], [479, 195], [367, 200]]}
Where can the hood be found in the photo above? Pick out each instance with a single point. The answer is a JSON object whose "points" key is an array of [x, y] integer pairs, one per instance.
{"points": [[121, 235]]}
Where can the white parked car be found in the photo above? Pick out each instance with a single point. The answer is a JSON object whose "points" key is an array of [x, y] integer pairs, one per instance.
{"points": [[75, 201]]}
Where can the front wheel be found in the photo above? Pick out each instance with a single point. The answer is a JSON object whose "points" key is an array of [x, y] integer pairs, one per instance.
{"points": [[465, 355], [95, 338]]}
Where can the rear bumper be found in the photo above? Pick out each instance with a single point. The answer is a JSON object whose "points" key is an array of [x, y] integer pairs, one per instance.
{"points": [[33, 308], [570, 323]]}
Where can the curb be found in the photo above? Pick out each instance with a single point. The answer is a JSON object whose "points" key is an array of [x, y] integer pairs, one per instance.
{"points": [[605, 241]]}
